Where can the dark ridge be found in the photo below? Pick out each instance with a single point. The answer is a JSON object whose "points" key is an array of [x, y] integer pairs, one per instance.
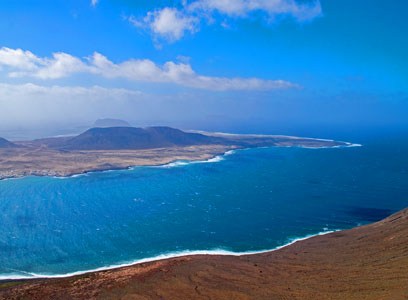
{"points": [[115, 138], [52, 142], [7, 144]]}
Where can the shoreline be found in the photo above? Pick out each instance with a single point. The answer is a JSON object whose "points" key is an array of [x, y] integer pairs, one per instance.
{"points": [[172, 161], [200, 155], [365, 262], [163, 257], [130, 167]]}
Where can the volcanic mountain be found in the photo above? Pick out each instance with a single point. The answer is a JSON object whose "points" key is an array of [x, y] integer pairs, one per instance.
{"points": [[116, 138]]}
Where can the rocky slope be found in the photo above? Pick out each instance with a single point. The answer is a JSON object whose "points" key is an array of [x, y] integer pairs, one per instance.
{"points": [[132, 138]]}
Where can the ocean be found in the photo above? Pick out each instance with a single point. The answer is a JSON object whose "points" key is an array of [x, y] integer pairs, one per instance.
{"points": [[242, 202]]}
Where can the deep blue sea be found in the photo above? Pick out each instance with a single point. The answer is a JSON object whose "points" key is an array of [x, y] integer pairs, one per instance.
{"points": [[249, 200]]}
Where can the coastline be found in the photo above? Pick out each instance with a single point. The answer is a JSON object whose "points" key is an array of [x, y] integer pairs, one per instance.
{"points": [[129, 167], [105, 161], [203, 157], [161, 257], [365, 262]]}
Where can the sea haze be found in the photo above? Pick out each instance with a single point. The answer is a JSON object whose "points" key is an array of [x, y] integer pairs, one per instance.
{"points": [[249, 200]]}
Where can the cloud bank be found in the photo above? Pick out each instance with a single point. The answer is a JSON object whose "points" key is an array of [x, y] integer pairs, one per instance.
{"points": [[172, 24], [35, 105], [18, 63]]}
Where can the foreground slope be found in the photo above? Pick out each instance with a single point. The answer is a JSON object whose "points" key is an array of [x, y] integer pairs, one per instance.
{"points": [[369, 262]]}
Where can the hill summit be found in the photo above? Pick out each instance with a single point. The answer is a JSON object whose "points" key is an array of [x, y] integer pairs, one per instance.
{"points": [[115, 138]]}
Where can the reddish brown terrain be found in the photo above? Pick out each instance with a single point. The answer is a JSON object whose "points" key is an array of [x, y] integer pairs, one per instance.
{"points": [[369, 262]]}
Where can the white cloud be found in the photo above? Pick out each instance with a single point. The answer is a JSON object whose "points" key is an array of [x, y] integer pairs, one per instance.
{"points": [[171, 23], [228, 7], [272, 8], [94, 2], [24, 63], [27, 89], [19, 63], [60, 65], [17, 58]]}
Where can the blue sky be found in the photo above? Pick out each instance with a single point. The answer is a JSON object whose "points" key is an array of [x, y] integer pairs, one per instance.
{"points": [[205, 64]]}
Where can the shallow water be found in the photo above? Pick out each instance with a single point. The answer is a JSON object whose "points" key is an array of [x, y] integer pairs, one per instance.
{"points": [[250, 200]]}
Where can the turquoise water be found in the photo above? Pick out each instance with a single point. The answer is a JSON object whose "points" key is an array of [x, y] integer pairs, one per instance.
{"points": [[250, 200]]}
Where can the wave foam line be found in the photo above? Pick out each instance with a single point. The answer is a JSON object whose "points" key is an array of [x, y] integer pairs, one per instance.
{"points": [[347, 145], [170, 255], [179, 163], [72, 176]]}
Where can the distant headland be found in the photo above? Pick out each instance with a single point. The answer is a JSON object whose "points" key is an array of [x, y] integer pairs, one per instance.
{"points": [[120, 147]]}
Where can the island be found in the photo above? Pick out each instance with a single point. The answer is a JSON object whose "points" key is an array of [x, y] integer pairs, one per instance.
{"points": [[112, 148], [368, 262]]}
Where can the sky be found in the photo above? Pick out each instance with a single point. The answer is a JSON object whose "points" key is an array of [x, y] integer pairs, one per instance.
{"points": [[272, 66]]}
